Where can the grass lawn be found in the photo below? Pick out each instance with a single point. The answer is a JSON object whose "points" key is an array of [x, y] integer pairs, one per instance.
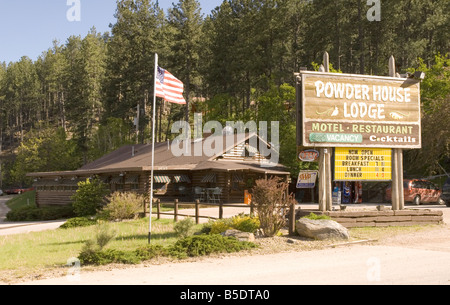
{"points": [[18, 201], [41, 250]]}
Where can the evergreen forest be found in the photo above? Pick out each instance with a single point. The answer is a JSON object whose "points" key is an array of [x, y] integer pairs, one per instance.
{"points": [[87, 96]]}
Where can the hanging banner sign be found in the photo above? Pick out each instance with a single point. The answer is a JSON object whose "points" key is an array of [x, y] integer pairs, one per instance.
{"points": [[363, 164], [307, 179], [346, 110]]}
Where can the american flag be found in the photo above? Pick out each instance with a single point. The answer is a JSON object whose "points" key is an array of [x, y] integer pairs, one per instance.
{"points": [[169, 87]]}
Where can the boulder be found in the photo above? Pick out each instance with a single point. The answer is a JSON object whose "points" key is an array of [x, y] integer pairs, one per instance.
{"points": [[239, 235], [321, 229]]}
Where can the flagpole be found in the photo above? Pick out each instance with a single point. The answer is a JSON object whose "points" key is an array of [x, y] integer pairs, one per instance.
{"points": [[153, 149]]}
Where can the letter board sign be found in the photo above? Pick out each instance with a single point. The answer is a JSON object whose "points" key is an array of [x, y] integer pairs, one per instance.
{"points": [[362, 164]]}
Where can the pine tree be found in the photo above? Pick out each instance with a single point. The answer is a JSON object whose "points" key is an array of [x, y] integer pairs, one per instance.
{"points": [[130, 61], [185, 21]]}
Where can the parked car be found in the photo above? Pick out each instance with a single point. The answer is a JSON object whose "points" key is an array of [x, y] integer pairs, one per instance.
{"points": [[418, 191], [18, 190], [1, 193], [446, 192]]}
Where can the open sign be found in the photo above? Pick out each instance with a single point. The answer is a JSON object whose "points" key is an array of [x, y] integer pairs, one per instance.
{"points": [[310, 155]]}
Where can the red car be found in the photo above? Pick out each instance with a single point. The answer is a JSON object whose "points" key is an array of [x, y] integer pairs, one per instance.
{"points": [[418, 191], [18, 190]]}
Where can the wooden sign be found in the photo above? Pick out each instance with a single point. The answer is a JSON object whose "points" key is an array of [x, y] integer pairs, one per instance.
{"points": [[363, 164], [344, 110]]}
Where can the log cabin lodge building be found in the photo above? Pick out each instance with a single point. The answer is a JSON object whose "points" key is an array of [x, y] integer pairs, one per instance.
{"points": [[229, 173]]}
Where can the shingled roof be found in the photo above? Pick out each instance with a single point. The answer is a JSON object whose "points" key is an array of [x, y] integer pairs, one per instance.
{"points": [[138, 158]]}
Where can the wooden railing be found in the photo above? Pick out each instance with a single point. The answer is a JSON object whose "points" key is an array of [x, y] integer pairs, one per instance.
{"points": [[197, 204]]}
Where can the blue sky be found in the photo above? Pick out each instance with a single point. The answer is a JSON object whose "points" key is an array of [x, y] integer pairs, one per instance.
{"points": [[28, 27]]}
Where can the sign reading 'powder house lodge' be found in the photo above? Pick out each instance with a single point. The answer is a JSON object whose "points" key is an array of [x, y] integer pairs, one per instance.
{"points": [[341, 110]]}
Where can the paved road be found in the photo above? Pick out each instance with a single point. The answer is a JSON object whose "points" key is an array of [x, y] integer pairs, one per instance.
{"points": [[9, 228], [3, 208]]}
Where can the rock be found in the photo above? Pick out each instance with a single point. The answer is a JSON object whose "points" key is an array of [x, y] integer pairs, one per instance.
{"points": [[241, 236], [321, 229]]}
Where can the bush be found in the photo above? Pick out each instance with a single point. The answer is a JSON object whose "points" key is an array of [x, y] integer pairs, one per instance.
{"points": [[220, 225], [151, 251], [271, 204], [123, 206], [29, 213], [78, 222], [245, 223], [198, 245], [103, 235], [241, 222], [104, 257], [184, 228], [88, 199], [92, 252]]}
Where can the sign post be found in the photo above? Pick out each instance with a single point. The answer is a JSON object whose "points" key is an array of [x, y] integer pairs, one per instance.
{"points": [[359, 112]]}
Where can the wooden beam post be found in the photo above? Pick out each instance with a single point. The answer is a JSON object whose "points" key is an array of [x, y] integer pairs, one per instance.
{"points": [[327, 154], [175, 210], [220, 210], [197, 211], [322, 181], [292, 219], [397, 197], [158, 208], [328, 182]]}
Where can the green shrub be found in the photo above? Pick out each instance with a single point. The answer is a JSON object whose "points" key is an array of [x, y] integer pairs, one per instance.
{"points": [[220, 225], [198, 245], [29, 213], [245, 223], [78, 222], [313, 216], [123, 206], [184, 228], [109, 256], [206, 227], [103, 235], [88, 199], [151, 251], [92, 252], [240, 222]]}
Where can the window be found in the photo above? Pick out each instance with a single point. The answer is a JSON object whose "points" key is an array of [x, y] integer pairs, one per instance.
{"points": [[133, 182]]}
